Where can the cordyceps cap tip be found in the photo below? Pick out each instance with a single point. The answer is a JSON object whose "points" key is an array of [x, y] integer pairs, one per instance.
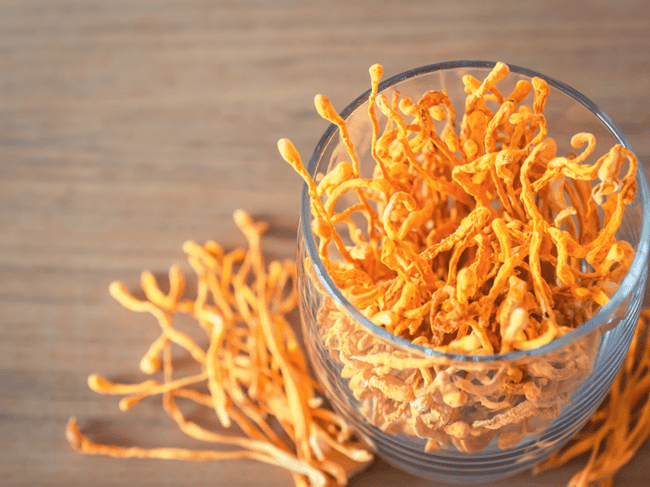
{"points": [[326, 110], [95, 382], [242, 218], [376, 72], [73, 434], [116, 288], [288, 152], [323, 106]]}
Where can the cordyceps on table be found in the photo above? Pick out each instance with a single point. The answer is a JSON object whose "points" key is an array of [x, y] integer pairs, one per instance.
{"points": [[254, 368], [482, 242]]}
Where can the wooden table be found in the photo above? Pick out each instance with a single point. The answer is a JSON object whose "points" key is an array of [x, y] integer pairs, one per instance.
{"points": [[127, 128]]}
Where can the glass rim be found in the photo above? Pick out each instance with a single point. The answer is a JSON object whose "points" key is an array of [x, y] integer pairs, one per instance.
{"points": [[600, 319]]}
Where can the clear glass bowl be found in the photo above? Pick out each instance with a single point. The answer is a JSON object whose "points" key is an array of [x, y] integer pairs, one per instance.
{"points": [[569, 377]]}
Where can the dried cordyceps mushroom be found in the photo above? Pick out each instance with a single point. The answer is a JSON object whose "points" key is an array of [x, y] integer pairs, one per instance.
{"points": [[254, 368], [480, 242]]}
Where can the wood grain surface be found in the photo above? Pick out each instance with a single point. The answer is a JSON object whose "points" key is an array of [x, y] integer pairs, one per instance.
{"points": [[128, 127]]}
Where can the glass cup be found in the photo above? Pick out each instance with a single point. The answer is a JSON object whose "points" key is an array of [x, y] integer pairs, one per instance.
{"points": [[471, 425]]}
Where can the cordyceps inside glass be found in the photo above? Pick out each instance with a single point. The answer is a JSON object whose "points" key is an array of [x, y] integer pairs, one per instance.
{"points": [[489, 273]]}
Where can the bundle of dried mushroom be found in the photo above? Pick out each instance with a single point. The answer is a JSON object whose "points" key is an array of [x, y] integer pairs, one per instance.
{"points": [[254, 368], [477, 243]]}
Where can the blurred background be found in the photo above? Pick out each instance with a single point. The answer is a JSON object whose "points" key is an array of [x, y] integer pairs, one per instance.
{"points": [[127, 128]]}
